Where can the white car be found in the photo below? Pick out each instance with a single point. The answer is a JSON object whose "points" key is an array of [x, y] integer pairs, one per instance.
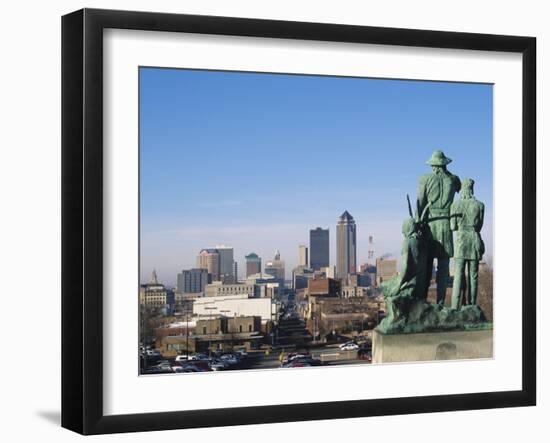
{"points": [[199, 357], [182, 358], [349, 347]]}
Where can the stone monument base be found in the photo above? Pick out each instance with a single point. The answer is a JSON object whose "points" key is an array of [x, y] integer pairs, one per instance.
{"points": [[430, 346]]}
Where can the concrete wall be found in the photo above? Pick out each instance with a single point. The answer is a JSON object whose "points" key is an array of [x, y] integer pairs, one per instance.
{"points": [[454, 345]]}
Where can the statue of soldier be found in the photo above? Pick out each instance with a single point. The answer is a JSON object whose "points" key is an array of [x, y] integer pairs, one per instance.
{"points": [[467, 220], [436, 192], [403, 289]]}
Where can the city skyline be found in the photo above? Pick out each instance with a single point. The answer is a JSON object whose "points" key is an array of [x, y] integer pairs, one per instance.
{"points": [[255, 161]]}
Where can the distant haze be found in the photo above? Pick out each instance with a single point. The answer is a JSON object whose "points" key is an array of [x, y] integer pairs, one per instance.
{"points": [[255, 161]]}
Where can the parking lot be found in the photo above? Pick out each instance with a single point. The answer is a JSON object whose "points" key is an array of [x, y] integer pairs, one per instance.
{"points": [[264, 359]]}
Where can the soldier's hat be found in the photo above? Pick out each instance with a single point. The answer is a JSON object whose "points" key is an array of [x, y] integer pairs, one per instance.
{"points": [[438, 159], [468, 183]]}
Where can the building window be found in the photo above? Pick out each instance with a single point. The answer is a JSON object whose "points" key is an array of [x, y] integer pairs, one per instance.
{"points": [[204, 329], [240, 328], [249, 328]]}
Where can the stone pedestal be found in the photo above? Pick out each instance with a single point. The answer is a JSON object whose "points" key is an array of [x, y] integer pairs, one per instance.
{"points": [[430, 346]]}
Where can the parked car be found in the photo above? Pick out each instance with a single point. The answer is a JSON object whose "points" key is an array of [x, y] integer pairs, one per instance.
{"points": [[294, 355], [230, 358], [184, 357], [218, 365], [164, 366], [242, 353], [152, 352], [198, 357], [349, 347]]}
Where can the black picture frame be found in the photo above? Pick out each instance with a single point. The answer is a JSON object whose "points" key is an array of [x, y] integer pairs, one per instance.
{"points": [[82, 218]]}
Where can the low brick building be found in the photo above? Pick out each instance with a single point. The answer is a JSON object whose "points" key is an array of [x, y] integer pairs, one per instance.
{"points": [[324, 287]]}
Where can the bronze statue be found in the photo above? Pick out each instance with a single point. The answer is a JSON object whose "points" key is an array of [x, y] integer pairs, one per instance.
{"points": [[403, 290], [409, 285], [436, 192], [427, 236], [467, 220]]}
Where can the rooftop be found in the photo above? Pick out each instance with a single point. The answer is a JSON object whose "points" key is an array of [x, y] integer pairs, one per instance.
{"points": [[209, 251], [346, 216]]}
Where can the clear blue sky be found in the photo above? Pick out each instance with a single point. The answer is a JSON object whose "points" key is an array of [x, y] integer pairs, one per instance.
{"points": [[256, 160]]}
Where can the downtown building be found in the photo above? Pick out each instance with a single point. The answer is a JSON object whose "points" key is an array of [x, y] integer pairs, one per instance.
{"points": [[218, 288], [209, 259], [329, 271], [235, 306], [253, 264], [319, 248], [346, 246], [192, 281], [386, 269], [227, 264], [155, 295], [303, 256], [276, 267], [217, 333], [301, 276]]}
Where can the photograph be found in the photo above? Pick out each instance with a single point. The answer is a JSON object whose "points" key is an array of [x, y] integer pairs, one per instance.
{"points": [[263, 220], [297, 221]]}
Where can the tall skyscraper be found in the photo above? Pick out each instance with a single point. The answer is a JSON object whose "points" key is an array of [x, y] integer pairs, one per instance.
{"points": [[346, 246], [303, 259], [192, 280], [209, 259], [370, 258], [318, 248], [276, 267], [253, 264], [226, 260]]}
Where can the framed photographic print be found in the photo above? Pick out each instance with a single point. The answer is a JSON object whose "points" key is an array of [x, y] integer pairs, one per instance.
{"points": [[262, 218]]}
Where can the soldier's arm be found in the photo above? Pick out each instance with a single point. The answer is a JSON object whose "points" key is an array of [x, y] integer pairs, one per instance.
{"points": [[454, 217], [481, 217]]}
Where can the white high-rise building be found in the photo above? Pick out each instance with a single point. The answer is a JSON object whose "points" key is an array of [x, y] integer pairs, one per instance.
{"points": [[303, 258]]}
